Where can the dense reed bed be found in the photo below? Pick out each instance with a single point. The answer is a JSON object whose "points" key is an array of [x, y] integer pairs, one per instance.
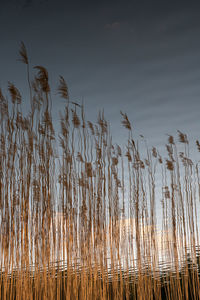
{"points": [[79, 214]]}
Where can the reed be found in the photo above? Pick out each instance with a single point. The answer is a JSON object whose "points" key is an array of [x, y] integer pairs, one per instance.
{"points": [[78, 213]]}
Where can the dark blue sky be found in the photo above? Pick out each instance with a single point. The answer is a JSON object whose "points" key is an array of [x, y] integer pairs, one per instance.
{"points": [[141, 57]]}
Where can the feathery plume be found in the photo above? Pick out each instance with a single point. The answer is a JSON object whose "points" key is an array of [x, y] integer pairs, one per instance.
{"points": [[43, 78], [125, 122], [63, 88], [23, 54], [14, 93], [182, 137]]}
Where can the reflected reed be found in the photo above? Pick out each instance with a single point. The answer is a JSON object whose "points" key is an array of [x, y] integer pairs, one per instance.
{"points": [[78, 213]]}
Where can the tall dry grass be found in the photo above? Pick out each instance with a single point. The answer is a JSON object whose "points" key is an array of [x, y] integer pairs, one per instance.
{"points": [[78, 215]]}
